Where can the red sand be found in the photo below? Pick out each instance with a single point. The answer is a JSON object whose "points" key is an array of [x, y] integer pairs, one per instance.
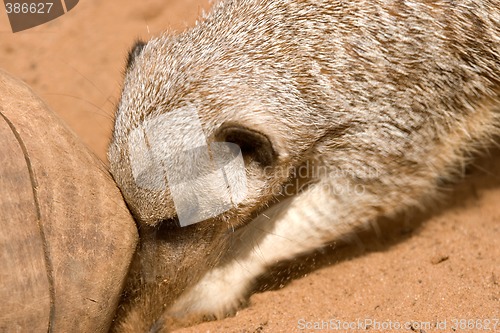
{"points": [[437, 267]]}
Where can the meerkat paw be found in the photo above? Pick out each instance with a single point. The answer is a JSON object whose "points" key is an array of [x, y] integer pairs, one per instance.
{"points": [[219, 294]]}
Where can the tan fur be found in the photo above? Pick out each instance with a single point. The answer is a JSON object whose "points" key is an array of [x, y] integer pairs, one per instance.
{"points": [[391, 97]]}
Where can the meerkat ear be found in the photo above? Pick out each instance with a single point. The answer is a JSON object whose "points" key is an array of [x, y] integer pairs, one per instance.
{"points": [[134, 52], [255, 146]]}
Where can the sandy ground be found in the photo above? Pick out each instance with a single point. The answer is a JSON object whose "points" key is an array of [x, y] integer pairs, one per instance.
{"points": [[439, 268]]}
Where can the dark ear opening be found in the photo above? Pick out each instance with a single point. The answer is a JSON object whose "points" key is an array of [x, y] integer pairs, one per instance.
{"points": [[254, 145], [134, 52]]}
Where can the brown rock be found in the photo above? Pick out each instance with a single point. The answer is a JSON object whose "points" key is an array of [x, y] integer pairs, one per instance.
{"points": [[66, 236]]}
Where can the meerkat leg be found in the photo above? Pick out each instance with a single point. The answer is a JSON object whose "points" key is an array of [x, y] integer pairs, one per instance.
{"points": [[294, 226]]}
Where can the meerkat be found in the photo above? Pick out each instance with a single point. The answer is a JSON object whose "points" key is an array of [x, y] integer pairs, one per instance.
{"points": [[380, 101]]}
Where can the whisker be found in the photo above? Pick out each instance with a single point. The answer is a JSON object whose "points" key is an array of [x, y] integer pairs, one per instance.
{"points": [[103, 113]]}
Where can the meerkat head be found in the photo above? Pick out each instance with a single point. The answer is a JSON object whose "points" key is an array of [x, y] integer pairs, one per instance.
{"points": [[199, 136]]}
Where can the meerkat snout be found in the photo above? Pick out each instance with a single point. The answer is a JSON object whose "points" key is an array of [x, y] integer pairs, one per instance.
{"points": [[273, 127]]}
